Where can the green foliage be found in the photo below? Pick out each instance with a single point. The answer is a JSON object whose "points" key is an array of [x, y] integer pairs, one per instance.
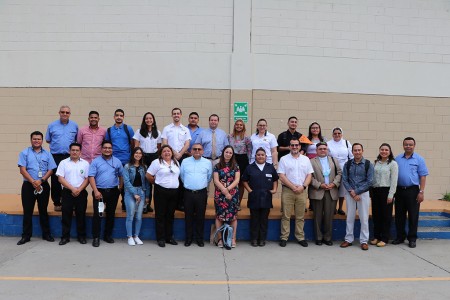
{"points": [[446, 196]]}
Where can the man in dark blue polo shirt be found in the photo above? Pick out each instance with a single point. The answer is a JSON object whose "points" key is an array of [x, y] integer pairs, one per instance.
{"points": [[412, 176]]}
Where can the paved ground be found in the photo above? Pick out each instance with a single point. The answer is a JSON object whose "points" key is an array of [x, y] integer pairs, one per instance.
{"points": [[42, 270]]}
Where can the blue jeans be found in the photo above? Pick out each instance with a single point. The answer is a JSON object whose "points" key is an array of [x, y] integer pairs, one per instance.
{"points": [[132, 208]]}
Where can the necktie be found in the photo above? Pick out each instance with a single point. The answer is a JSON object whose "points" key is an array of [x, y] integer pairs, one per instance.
{"points": [[213, 142]]}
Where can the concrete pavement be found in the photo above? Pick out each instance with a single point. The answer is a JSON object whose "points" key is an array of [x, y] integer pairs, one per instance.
{"points": [[44, 270]]}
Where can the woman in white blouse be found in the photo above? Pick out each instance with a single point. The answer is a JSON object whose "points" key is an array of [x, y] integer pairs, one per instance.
{"points": [[149, 139], [164, 173], [384, 186], [341, 150], [264, 139]]}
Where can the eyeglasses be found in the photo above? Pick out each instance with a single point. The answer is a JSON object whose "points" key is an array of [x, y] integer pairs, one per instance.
{"points": [[197, 149], [294, 145], [170, 168], [321, 149], [65, 112], [107, 148]]}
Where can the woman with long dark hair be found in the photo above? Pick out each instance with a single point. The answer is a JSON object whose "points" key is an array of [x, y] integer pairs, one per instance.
{"points": [[163, 173], [226, 196], [137, 191], [383, 189], [148, 137], [315, 136]]}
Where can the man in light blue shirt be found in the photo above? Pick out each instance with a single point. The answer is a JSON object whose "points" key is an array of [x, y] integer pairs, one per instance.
{"points": [[196, 173], [194, 129], [36, 165], [105, 178], [412, 176], [60, 134], [213, 139]]}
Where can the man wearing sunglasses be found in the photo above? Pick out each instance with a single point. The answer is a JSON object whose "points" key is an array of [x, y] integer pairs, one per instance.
{"points": [[196, 173], [60, 134], [295, 174]]}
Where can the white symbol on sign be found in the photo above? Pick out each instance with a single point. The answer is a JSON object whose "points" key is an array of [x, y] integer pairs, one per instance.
{"points": [[240, 109]]}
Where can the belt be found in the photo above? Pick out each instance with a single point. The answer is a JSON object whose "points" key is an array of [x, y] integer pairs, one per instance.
{"points": [[195, 191], [107, 190], [408, 187], [207, 157]]}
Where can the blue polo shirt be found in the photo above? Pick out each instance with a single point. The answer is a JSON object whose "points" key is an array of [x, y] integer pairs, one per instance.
{"points": [[205, 139], [106, 172], [196, 174], [194, 135], [410, 169], [60, 136], [120, 142], [36, 161]]}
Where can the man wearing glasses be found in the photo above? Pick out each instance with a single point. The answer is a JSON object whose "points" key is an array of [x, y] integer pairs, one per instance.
{"points": [[105, 178], [213, 140], [196, 173], [295, 174], [60, 134], [324, 192]]}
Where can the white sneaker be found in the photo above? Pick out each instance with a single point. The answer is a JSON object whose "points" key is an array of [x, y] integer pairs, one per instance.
{"points": [[138, 241], [131, 242]]}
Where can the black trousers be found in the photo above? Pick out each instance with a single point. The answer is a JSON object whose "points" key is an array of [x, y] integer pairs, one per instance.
{"points": [[56, 186], [381, 214], [28, 201], [406, 203], [70, 203], [148, 158], [110, 198], [194, 213], [165, 203], [259, 219]]}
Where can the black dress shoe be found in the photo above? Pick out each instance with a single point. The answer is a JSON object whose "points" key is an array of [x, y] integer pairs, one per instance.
{"points": [[23, 241], [318, 243], [262, 243], [96, 242], [172, 242], [328, 243], [397, 242], [124, 208], [412, 244], [180, 208], [161, 243], [254, 243], [341, 212], [200, 243], [145, 210], [187, 243], [63, 241], [303, 243], [150, 209], [108, 239], [82, 240], [283, 243], [48, 238]]}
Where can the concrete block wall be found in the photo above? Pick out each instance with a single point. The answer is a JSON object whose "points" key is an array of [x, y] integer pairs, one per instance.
{"points": [[412, 31]]}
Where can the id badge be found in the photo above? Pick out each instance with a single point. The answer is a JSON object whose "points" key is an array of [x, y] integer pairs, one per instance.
{"points": [[40, 174]]}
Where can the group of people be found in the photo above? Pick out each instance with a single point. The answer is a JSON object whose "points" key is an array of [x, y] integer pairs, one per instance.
{"points": [[175, 167]]}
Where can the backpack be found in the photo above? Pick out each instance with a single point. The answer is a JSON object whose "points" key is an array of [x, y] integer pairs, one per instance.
{"points": [[366, 166], [227, 235], [125, 128]]}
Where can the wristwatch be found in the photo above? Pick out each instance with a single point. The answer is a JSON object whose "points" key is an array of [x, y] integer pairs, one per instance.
{"points": [[421, 191]]}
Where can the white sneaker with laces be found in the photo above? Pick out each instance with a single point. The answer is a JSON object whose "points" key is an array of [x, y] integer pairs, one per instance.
{"points": [[131, 242], [138, 241]]}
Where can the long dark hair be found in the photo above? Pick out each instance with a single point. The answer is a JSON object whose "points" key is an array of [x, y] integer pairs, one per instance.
{"points": [[160, 154], [132, 160], [390, 157], [222, 164], [144, 129], [310, 136]]}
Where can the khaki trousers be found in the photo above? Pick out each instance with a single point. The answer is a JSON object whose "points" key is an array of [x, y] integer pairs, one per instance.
{"points": [[297, 202]]}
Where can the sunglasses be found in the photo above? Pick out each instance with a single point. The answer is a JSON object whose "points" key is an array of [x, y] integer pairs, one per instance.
{"points": [[294, 145], [65, 112], [197, 149]]}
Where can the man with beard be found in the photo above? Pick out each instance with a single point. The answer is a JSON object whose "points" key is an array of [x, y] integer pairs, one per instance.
{"points": [[105, 176], [90, 138]]}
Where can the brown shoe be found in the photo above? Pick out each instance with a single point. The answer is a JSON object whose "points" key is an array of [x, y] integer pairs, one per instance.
{"points": [[364, 247], [345, 244]]}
